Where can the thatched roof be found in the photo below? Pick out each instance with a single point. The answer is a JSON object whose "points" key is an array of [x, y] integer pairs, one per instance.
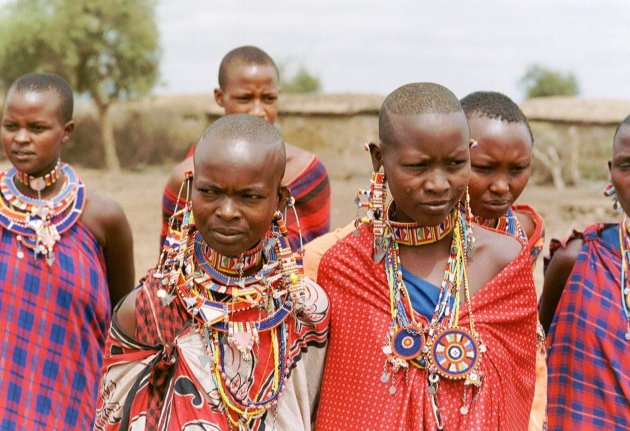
{"points": [[576, 110], [314, 104], [337, 104]]}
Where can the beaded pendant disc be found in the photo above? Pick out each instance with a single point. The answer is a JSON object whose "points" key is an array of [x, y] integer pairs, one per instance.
{"points": [[455, 353], [407, 342]]}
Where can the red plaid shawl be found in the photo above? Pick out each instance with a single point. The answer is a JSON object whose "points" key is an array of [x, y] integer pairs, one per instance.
{"points": [[589, 358], [353, 397]]}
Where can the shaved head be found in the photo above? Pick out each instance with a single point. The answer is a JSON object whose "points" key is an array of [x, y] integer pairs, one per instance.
{"points": [[42, 82], [494, 105], [415, 99], [624, 124], [244, 136], [249, 55]]}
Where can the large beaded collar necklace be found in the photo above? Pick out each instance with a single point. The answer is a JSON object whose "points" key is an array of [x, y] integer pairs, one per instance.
{"points": [[230, 309], [441, 347], [39, 223], [624, 246]]}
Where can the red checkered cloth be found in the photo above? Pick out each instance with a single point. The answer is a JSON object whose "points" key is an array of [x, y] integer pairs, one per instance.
{"points": [[353, 396], [311, 190], [53, 323], [589, 372]]}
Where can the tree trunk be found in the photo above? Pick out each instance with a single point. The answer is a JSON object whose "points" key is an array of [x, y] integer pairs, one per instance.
{"points": [[107, 136], [574, 156], [551, 160]]}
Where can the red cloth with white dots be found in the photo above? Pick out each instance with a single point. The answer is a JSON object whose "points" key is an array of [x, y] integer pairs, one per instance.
{"points": [[353, 396]]}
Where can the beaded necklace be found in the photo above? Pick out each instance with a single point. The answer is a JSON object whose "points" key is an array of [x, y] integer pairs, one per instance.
{"points": [[413, 234], [507, 223], [39, 223], [39, 183], [215, 301], [624, 246]]}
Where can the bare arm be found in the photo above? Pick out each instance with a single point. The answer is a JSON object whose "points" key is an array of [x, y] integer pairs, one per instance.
{"points": [[107, 221], [556, 277], [126, 315], [526, 222]]}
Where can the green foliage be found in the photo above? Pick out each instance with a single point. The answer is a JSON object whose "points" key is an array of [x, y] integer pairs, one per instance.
{"points": [[540, 81], [301, 82], [107, 49]]}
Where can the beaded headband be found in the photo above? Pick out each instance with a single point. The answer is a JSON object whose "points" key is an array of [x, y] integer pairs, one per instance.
{"points": [[39, 183]]}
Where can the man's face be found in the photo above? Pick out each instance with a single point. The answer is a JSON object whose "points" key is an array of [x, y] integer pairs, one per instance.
{"points": [[250, 89]]}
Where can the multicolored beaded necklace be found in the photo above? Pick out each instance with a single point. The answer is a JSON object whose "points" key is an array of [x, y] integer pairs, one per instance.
{"points": [[441, 347], [624, 246], [39, 183], [507, 223], [215, 301], [39, 223]]}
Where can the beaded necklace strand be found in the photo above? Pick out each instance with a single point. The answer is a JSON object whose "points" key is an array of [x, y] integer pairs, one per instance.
{"points": [[507, 223], [624, 246]]}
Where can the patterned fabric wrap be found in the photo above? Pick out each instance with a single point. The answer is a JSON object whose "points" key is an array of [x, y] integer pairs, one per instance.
{"points": [[353, 396], [52, 331], [589, 382], [157, 381], [311, 190]]}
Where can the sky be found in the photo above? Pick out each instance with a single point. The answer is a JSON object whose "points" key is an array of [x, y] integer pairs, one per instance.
{"points": [[374, 46]]}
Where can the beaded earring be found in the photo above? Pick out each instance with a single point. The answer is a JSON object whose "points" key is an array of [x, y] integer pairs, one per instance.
{"points": [[375, 204], [173, 252], [469, 241], [612, 193], [291, 205]]}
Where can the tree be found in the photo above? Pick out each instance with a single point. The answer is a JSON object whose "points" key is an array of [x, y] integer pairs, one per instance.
{"points": [[107, 49], [301, 82], [540, 81]]}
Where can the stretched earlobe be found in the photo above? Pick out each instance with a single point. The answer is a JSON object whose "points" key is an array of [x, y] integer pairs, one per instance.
{"points": [[376, 154], [284, 196], [218, 96], [68, 128]]}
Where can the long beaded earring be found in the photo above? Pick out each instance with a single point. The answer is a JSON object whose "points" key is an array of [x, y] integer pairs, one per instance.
{"points": [[375, 204], [172, 257]]}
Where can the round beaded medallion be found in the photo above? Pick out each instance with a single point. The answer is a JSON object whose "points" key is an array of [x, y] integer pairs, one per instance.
{"points": [[407, 342], [454, 353]]}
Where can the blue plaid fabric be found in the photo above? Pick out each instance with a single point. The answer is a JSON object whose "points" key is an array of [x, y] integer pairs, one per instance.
{"points": [[589, 357], [53, 323]]}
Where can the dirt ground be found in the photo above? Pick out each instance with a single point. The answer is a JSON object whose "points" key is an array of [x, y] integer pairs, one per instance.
{"points": [[140, 195]]}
